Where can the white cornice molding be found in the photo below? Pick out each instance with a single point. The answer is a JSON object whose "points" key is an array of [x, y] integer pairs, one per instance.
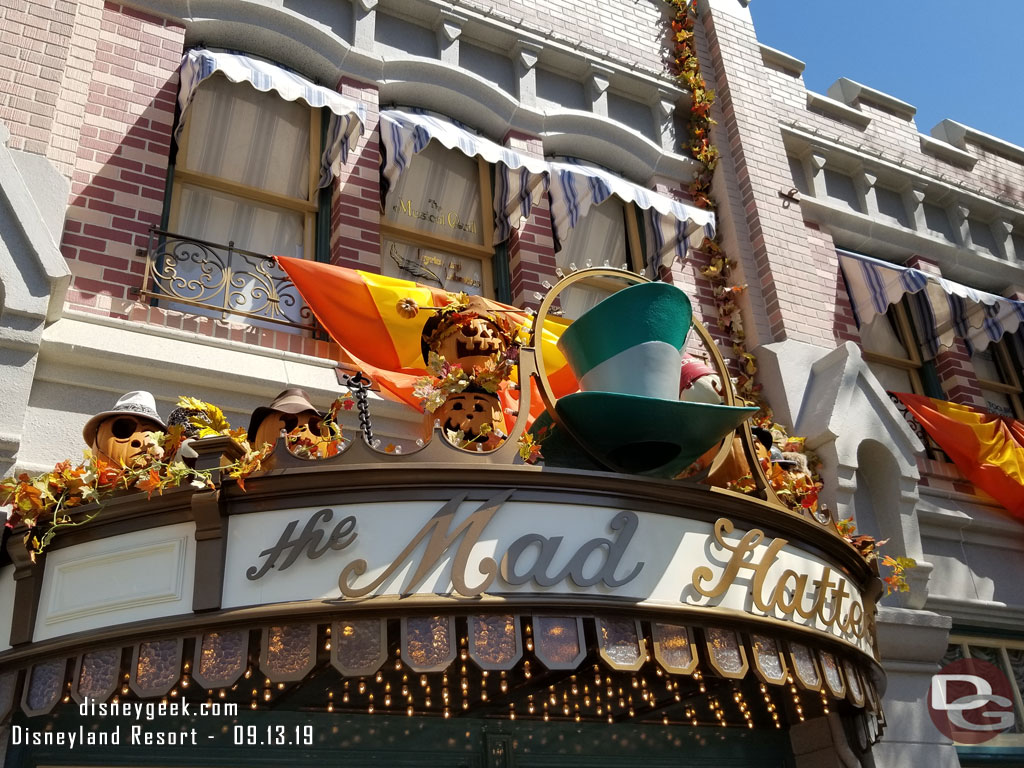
{"points": [[883, 238], [837, 110], [978, 613], [947, 152], [272, 32], [851, 92], [18, 194], [959, 135], [879, 161], [783, 61]]}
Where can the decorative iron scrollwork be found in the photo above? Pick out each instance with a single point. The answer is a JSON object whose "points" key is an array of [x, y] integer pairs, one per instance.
{"points": [[232, 281]]}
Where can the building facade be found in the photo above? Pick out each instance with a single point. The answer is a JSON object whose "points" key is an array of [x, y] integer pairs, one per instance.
{"points": [[154, 152]]}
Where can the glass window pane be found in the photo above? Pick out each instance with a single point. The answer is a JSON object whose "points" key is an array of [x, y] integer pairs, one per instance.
{"points": [[986, 367], [891, 378], [1016, 657], [880, 336], [439, 193], [434, 268], [599, 237], [222, 218], [998, 402], [242, 135], [954, 652]]}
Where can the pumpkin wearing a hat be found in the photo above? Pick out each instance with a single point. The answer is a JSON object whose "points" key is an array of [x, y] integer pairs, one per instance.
{"points": [[626, 354], [468, 335], [120, 434], [290, 411]]}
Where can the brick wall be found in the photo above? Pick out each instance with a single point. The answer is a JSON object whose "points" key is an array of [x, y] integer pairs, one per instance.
{"points": [[35, 48], [633, 32], [355, 215], [120, 169], [788, 268]]}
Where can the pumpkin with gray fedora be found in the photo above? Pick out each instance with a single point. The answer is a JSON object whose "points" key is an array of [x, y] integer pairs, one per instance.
{"points": [[626, 354], [119, 435]]}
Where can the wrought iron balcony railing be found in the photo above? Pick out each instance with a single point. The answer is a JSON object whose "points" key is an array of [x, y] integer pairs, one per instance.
{"points": [[931, 448], [223, 280]]}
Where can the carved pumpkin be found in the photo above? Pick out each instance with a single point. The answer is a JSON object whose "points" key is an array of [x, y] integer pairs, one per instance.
{"points": [[471, 343], [120, 438], [735, 464], [307, 423], [467, 411]]}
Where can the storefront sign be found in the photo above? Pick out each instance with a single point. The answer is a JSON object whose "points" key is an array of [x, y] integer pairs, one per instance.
{"points": [[517, 548], [432, 213]]}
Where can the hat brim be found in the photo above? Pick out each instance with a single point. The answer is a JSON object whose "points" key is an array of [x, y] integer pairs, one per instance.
{"points": [[265, 410], [89, 430], [647, 435]]}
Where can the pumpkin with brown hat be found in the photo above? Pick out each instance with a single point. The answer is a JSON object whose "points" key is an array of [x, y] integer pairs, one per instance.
{"points": [[290, 411], [470, 335]]}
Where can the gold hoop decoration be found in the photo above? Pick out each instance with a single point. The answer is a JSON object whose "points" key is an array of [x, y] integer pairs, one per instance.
{"points": [[548, 396], [541, 376]]}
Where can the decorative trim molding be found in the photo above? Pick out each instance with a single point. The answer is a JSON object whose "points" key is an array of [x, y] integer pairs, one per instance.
{"points": [[165, 558], [837, 110], [851, 92], [775, 58]]}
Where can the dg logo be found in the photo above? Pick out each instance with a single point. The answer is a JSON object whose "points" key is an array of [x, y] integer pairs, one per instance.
{"points": [[971, 701]]}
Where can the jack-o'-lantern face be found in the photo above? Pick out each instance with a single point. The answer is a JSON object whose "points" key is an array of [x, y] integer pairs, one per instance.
{"points": [[306, 423], [472, 343], [468, 411], [121, 438]]}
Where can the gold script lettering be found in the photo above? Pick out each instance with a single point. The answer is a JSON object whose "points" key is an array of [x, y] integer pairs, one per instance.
{"points": [[787, 595], [439, 537]]}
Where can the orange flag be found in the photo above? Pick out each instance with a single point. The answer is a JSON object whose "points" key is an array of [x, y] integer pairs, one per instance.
{"points": [[988, 449], [360, 311]]}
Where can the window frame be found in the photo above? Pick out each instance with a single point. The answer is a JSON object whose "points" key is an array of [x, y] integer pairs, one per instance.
{"points": [[484, 252], [905, 334], [965, 640], [636, 256], [1011, 383], [309, 208]]}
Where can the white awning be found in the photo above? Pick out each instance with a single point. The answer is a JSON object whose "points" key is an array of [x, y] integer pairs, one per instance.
{"points": [[347, 115], [672, 227], [943, 310], [519, 179]]}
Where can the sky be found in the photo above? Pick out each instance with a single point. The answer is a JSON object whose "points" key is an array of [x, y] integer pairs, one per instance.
{"points": [[957, 60]]}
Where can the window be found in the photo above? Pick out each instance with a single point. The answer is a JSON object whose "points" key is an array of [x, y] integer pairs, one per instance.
{"points": [[997, 373], [245, 185], [607, 235], [247, 170], [437, 225], [1008, 656], [892, 352]]}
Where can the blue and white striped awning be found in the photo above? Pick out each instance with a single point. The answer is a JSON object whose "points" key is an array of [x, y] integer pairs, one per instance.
{"points": [[519, 179], [672, 227], [347, 115], [943, 310]]}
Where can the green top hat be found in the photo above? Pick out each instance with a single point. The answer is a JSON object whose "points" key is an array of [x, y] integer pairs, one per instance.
{"points": [[626, 353]]}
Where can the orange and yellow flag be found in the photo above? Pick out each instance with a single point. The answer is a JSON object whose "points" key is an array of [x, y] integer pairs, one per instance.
{"points": [[987, 449], [360, 311]]}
